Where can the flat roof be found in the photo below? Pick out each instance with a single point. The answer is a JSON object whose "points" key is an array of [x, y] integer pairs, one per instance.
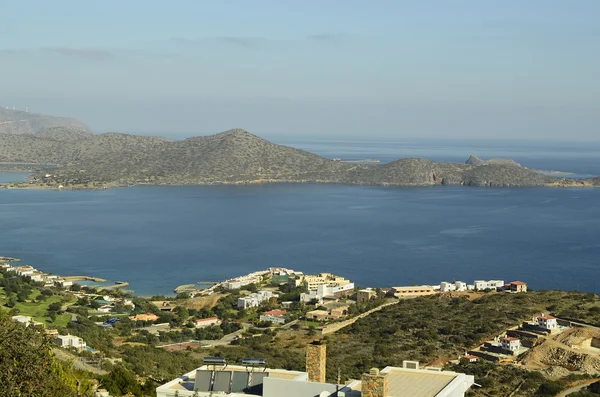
{"points": [[421, 383], [187, 381]]}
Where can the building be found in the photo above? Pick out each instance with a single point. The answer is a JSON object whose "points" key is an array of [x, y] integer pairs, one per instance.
{"points": [[365, 295], [254, 299], [274, 316], [547, 322], [327, 290], [319, 315], [239, 380], [144, 317], [470, 358], [417, 290], [207, 322], [482, 285], [453, 286], [26, 320], [312, 282], [70, 341], [517, 286], [511, 344], [62, 283]]}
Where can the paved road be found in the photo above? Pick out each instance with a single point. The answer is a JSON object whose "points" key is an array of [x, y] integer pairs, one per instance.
{"points": [[227, 339]]}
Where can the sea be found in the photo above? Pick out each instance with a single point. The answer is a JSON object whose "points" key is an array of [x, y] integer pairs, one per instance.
{"points": [[159, 237]]}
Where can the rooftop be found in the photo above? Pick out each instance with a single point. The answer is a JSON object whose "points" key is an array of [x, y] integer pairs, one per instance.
{"points": [[277, 313], [547, 317], [518, 283], [510, 339]]}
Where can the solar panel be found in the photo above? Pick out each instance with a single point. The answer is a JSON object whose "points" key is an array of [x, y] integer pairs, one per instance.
{"points": [[214, 360], [254, 361], [257, 378], [222, 381], [256, 383], [203, 380], [240, 381]]}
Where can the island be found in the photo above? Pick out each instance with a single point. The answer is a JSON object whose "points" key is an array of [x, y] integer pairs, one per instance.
{"points": [[74, 158]]}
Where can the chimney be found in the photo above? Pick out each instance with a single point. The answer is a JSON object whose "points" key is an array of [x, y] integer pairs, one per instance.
{"points": [[316, 360], [374, 384]]}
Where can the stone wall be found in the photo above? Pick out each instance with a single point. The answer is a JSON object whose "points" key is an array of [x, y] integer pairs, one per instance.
{"points": [[331, 328], [374, 384]]}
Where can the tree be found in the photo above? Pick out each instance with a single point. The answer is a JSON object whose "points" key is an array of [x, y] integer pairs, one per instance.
{"points": [[27, 366], [120, 382]]}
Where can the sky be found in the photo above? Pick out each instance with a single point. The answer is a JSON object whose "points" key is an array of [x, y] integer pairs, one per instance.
{"points": [[497, 69]]}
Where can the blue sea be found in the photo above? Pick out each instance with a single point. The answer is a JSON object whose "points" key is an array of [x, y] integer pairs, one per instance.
{"points": [[160, 237]]}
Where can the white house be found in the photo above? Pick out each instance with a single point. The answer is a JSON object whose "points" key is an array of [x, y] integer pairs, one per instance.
{"points": [[59, 282], [254, 300], [70, 341], [547, 322], [26, 320], [274, 316], [453, 286], [323, 290], [206, 322], [481, 285], [512, 344], [38, 277]]}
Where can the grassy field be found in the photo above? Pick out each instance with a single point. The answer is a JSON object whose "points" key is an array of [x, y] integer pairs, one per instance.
{"points": [[39, 310]]}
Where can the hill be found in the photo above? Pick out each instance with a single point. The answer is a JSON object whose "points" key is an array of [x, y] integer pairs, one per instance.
{"points": [[20, 122], [235, 156]]}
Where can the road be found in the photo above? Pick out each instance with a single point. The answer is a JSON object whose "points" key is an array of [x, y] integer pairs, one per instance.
{"points": [[577, 388], [227, 339]]}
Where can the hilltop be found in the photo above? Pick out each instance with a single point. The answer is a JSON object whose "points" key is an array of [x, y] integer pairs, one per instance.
{"points": [[236, 156], [19, 122]]}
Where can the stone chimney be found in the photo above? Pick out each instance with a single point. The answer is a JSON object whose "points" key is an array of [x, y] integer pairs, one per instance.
{"points": [[374, 384], [316, 360]]}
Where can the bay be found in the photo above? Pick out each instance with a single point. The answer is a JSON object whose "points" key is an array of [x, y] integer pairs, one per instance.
{"points": [[160, 237], [157, 238]]}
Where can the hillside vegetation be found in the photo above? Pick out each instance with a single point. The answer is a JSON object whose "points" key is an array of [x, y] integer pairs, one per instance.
{"points": [[235, 156]]}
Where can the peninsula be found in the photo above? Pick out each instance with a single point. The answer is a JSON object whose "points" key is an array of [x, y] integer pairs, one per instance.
{"points": [[80, 159]]}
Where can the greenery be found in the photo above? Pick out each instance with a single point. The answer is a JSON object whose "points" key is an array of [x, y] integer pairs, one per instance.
{"points": [[234, 156], [592, 390], [28, 368]]}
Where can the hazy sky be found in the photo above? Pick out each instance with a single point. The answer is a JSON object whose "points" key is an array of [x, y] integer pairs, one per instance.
{"points": [[487, 69]]}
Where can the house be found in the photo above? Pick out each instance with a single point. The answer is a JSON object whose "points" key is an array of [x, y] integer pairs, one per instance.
{"points": [[471, 358], [70, 341], [482, 285], [327, 290], [547, 322], [227, 379], [339, 311], [37, 277], [417, 290], [319, 315], [517, 286], [274, 316], [254, 299], [144, 317], [511, 344], [365, 295], [287, 304], [164, 306], [27, 321], [62, 283], [206, 322], [233, 284], [52, 332]]}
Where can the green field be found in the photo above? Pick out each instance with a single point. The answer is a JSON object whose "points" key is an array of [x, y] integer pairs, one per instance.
{"points": [[38, 310]]}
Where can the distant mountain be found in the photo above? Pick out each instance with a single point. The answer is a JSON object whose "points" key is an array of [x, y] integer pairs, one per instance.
{"points": [[20, 122], [235, 156]]}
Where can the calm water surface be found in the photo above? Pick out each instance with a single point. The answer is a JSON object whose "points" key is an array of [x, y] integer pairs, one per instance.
{"points": [[160, 237]]}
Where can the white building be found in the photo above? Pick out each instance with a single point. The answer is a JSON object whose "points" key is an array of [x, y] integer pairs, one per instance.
{"points": [[235, 380], [547, 322], [254, 300], [324, 290], [274, 316], [60, 282], [26, 320], [453, 286], [207, 322], [105, 309], [70, 341], [512, 344], [481, 285]]}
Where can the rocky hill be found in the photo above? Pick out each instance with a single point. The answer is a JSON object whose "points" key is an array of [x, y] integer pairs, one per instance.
{"points": [[234, 156], [20, 122]]}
